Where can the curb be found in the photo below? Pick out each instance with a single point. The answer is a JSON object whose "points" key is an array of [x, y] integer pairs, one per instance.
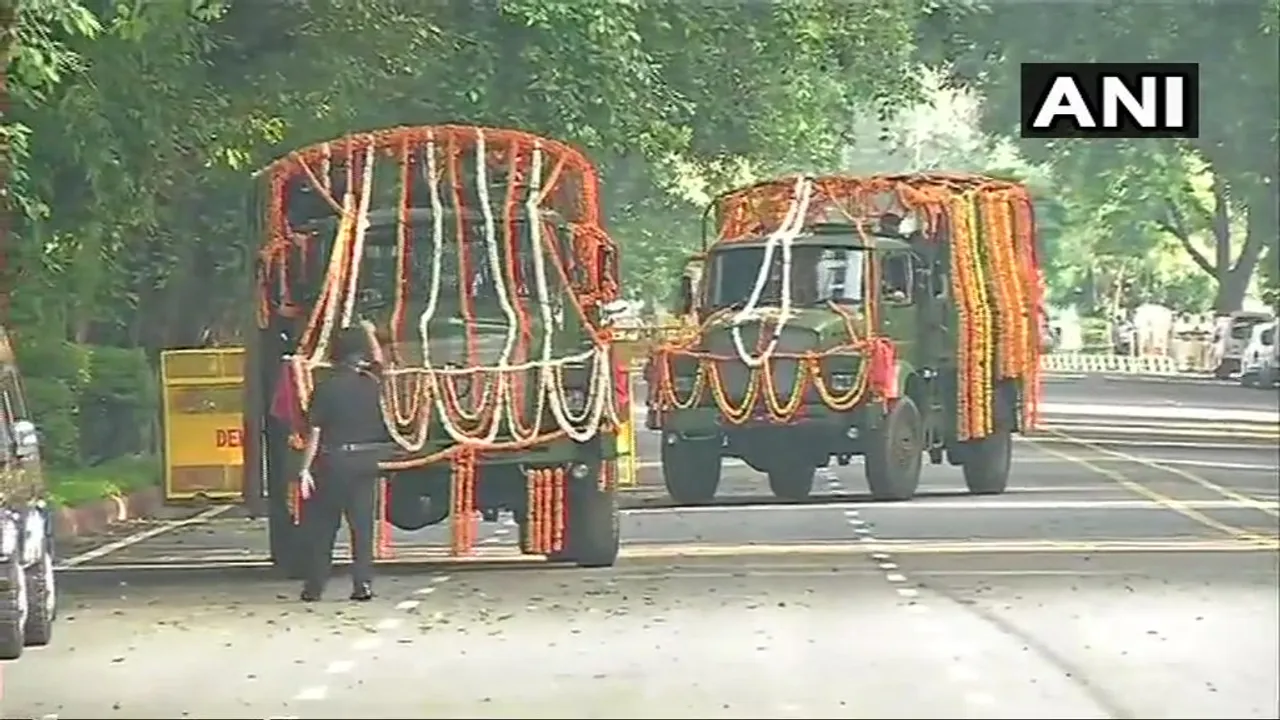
{"points": [[96, 517]]}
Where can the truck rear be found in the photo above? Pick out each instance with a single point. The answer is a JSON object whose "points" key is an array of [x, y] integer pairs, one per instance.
{"points": [[480, 257]]}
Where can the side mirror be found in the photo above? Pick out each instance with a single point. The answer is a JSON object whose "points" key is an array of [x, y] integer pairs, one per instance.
{"points": [[685, 301], [26, 440]]}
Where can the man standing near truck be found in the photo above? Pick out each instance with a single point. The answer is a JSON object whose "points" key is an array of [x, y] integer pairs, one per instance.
{"points": [[348, 439]]}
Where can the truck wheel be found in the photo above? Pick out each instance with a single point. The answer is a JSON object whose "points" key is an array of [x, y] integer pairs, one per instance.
{"points": [[895, 453], [42, 604], [593, 536], [691, 470], [987, 462], [13, 610], [791, 480]]}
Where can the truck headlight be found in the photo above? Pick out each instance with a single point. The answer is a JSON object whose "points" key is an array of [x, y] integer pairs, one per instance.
{"points": [[841, 382]]}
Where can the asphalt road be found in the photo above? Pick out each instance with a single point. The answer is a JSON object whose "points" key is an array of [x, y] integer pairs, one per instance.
{"points": [[1121, 577]]}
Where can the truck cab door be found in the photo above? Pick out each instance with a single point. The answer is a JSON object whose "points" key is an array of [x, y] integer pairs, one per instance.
{"points": [[897, 290]]}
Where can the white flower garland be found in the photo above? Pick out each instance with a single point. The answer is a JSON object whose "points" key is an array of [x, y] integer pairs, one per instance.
{"points": [[790, 228], [600, 402]]}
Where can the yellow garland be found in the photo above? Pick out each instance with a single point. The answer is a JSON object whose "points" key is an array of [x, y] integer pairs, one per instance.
{"points": [[961, 242], [983, 380]]}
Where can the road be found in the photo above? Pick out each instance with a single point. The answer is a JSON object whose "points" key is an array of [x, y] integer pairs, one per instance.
{"points": [[1131, 572]]}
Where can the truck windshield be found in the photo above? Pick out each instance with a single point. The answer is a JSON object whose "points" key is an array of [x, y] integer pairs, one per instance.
{"points": [[819, 274]]}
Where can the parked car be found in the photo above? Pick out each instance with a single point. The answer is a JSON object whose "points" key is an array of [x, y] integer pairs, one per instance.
{"points": [[1259, 361], [28, 599], [1230, 336]]}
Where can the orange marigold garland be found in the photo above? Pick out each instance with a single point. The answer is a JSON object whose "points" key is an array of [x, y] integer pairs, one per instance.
{"points": [[547, 502]]}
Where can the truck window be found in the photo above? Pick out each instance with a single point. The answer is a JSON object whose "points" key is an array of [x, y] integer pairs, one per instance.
{"points": [[896, 278], [1268, 336], [1242, 327], [819, 274]]}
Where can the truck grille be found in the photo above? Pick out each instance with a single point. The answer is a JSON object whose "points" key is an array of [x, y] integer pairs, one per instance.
{"points": [[735, 374]]}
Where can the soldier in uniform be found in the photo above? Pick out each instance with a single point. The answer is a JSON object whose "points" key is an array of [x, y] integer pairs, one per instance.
{"points": [[340, 466]]}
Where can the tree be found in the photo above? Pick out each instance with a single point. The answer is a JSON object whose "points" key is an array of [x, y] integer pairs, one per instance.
{"points": [[983, 46]]}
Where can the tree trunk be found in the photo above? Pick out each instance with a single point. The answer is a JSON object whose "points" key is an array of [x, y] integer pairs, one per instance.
{"points": [[1261, 224]]}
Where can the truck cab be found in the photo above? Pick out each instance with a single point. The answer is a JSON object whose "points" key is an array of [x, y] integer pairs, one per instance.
{"points": [[28, 598]]}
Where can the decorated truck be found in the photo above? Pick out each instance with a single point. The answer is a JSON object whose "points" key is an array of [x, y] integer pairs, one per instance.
{"points": [[479, 256], [891, 317]]}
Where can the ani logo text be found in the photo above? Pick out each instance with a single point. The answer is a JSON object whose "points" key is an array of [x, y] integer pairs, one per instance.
{"points": [[1110, 100]]}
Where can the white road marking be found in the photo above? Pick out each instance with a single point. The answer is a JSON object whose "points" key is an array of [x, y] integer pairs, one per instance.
{"points": [[366, 643], [895, 577], [1160, 412], [124, 542], [370, 641], [340, 667], [314, 693]]}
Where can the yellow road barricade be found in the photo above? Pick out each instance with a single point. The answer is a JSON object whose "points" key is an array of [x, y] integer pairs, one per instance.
{"points": [[203, 423]]}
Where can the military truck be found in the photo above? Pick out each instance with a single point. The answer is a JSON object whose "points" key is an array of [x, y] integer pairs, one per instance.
{"points": [[888, 317], [479, 256], [28, 596]]}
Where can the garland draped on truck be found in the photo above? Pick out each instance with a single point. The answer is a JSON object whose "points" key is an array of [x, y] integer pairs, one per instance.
{"points": [[994, 278], [538, 177]]}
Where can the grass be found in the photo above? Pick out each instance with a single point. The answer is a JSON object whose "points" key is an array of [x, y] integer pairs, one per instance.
{"points": [[121, 476]]}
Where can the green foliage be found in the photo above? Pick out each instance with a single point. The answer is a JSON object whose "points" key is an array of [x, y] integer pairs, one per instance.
{"points": [[118, 405], [54, 372], [1125, 192], [118, 477]]}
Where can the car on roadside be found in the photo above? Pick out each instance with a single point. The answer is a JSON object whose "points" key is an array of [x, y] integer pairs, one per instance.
{"points": [[28, 594], [1259, 360], [1231, 335]]}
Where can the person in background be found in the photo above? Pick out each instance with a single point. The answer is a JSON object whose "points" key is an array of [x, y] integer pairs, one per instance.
{"points": [[339, 475]]}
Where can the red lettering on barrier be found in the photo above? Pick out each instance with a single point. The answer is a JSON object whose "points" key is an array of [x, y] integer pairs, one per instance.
{"points": [[229, 438]]}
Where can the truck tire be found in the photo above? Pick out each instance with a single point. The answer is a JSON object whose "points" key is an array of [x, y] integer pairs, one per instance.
{"points": [[894, 454], [791, 480], [691, 470], [987, 462], [593, 534], [13, 610], [42, 602]]}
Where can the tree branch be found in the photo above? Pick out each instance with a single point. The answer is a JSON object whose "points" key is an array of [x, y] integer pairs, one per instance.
{"points": [[1176, 226]]}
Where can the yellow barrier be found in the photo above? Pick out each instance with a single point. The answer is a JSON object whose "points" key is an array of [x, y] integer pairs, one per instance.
{"points": [[203, 423], [626, 440]]}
